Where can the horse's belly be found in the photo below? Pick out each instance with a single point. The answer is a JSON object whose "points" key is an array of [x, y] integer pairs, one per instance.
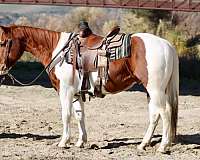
{"points": [[119, 77]]}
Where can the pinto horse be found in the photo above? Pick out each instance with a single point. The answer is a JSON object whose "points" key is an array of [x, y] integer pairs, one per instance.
{"points": [[153, 62]]}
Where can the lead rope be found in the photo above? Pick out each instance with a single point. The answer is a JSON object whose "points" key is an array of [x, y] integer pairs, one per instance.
{"points": [[38, 76], [25, 84], [2, 80], [15, 80]]}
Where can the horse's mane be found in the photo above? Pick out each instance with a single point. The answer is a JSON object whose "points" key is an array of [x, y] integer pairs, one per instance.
{"points": [[13, 26], [37, 35]]}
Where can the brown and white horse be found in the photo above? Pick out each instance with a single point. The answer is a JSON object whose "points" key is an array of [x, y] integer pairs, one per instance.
{"points": [[153, 62]]}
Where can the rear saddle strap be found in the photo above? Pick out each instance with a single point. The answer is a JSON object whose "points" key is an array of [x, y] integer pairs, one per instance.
{"points": [[85, 86]]}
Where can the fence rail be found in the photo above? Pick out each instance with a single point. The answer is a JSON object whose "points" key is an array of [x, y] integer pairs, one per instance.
{"points": [[175, 5]]}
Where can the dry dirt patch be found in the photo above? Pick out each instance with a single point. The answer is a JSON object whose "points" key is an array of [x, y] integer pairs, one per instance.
{"points": [[30, 125]]}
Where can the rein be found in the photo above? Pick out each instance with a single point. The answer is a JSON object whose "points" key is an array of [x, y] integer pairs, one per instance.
{"points": [[72, 36]]}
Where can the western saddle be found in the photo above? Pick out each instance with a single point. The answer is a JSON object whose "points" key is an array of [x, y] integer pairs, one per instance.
{"points": [[91, 59], [96, 58]]}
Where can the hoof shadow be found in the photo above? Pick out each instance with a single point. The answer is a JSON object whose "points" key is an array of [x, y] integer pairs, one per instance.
{"points": [[188, 139], [116, 143]]}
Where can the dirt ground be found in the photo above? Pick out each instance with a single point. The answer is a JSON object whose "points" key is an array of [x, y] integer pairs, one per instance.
{"points": [[30, 126]]}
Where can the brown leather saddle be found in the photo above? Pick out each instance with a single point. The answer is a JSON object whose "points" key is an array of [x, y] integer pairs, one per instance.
{"points": [[111, 40], [92, 60]]}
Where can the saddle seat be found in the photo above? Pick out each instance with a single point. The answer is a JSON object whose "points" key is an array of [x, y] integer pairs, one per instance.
{"points": [[112, 39]]}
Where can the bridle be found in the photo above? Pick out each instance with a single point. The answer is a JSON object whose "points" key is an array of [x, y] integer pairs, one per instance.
{"points": [[48, 68], [7, 43]]}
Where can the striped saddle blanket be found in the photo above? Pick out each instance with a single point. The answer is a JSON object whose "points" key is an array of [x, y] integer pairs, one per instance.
{"points": [[119, 46]]}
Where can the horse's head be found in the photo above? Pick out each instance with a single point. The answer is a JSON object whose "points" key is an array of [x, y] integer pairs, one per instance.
{"points": [[10, 49]]}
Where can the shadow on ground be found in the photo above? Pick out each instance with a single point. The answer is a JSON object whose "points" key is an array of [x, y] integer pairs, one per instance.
{"points": [[189, 139], [116, 143], [119, 142], [27, 135]]}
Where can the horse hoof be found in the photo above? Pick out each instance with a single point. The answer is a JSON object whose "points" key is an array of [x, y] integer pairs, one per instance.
{"points": [[141, 147], [162, 150], [61, 145], [80, 144]]}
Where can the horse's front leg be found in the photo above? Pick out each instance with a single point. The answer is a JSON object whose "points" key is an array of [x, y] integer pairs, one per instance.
{"points": [[66, 96], [79, 114]]}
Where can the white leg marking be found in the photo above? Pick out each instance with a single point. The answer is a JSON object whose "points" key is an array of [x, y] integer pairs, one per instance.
{"points": [[157, 108], [153, 121], [166, 137], [66, 96], [79, 114]]}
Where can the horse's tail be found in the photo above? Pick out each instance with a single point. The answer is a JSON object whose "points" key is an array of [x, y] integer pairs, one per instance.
{"points": [[172, 95]]}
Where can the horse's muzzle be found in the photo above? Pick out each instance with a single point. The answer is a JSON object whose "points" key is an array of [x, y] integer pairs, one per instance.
{"points": [[3, 69], [3, 72]]}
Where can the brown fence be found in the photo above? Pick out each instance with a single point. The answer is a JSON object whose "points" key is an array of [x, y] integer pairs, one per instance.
{"points": [[176, 5]]}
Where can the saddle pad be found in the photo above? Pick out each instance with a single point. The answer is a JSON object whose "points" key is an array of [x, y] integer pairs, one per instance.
{"points": [[115, 41], [122, 51]]}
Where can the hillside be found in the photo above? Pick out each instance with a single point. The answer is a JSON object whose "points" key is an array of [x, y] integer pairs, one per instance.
{"points": [[9, 13], [30, 9]]}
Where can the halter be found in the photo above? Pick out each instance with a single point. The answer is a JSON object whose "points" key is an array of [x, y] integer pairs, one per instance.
{"points": [[48, 68], [8, 44]]}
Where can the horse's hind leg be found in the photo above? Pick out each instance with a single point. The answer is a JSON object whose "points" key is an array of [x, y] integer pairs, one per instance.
{"points": [[157, 108], [159, 98], [78, 107], [153, 120], [165, 114], [66, 96]]}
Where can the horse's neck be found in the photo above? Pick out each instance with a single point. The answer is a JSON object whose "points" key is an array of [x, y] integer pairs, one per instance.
{"points": [[40, 43]]}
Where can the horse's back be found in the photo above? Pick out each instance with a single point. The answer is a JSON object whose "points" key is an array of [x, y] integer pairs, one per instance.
{"points": [[160, 56], [154, 43]]}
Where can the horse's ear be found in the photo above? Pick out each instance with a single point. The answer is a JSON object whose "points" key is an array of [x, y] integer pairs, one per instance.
{"points": [[5, 29]]}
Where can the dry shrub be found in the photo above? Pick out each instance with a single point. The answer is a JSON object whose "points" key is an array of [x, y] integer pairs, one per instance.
{"points": [[55, 23], [188, 22], [94, 16], [131, 23], [108, 25], [23, 21]]}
